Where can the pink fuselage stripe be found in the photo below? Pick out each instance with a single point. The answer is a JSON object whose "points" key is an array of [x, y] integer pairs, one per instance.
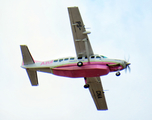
{"points": [[93, 69]]}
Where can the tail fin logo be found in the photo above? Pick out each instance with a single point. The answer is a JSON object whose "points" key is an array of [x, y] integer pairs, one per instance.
{"points": [[47, 63]]}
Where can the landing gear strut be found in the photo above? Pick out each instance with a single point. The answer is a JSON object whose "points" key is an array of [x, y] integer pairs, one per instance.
{"points": [[86, 84], [118, 73], [79, 64]]}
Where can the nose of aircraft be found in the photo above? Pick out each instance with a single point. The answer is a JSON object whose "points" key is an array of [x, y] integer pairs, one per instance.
{"points": [[127, 66]]}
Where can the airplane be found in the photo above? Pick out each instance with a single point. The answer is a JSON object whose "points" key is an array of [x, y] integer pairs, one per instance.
{"points": [[85, 65]]}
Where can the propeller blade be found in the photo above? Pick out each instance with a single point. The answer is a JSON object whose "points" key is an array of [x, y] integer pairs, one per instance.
{"points": [[125, 70], [129, 68], [127, 59], [127, 64]]}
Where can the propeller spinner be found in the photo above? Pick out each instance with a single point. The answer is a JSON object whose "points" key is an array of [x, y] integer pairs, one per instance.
{"points": [[127, 67]]}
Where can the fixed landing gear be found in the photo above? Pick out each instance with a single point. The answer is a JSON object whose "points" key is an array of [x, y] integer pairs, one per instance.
{"points": [[79, 64], [118, 73], [86, 86]]}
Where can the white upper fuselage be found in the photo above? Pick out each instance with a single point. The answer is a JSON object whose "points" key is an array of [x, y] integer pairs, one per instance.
{"points": [[70, 60]]}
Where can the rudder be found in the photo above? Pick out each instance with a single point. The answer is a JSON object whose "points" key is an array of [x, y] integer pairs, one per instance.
{"points": [[27, 57]]}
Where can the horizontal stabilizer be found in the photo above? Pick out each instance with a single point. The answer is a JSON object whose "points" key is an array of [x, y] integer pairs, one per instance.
{"points": [[27, 57], [32, 76]]}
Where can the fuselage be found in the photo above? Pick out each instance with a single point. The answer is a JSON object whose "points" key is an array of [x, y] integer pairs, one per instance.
{"points": [[98, 66]]}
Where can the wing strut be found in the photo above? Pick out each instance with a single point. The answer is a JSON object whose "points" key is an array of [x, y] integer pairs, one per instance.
{"points": [[87, 50], [79, 33]]}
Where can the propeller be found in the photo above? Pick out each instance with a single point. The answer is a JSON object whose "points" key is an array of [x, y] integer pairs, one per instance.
{"points": [[127, 67], [127, 64]]}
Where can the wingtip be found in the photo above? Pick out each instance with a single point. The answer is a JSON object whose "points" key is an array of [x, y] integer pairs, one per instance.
{"points": [[102, 109], [35, 85], [72, 7], [23, 45]]}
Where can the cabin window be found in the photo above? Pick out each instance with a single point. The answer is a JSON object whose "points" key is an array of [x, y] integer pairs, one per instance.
{"points": [[55, 60], [97, 56], [66, 59], [92, 57], [71, 58], [79, 58], [60, 60]]}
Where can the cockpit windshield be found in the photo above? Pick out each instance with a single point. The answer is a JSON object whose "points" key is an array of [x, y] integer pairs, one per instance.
{"points": [[103, 56]]}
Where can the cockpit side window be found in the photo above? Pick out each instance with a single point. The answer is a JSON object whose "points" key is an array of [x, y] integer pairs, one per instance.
{"points": [[98, 57], [103, 56], [92, 57], [79, 58]]}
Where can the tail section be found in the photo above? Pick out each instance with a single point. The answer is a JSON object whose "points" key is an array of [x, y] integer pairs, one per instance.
{"points": [[32, 76], [27, 59]]}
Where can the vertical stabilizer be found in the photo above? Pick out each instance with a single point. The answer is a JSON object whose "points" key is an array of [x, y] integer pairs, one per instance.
{"points": [[27, 57]]}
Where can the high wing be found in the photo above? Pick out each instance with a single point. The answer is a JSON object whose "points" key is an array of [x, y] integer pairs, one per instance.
{"points": [[81, 40], [97, 92], [83, 48]]}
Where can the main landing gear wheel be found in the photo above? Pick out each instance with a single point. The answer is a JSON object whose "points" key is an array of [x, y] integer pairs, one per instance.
{"points": [[118, 74], [86, 86], [79, 64]]}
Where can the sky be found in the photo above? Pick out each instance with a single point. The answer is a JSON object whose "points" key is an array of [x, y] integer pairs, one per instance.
{"points": [[119, 29]]}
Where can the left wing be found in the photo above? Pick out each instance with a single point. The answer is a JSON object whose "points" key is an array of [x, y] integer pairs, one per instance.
{"points": [[81, 40], [97, 92]]}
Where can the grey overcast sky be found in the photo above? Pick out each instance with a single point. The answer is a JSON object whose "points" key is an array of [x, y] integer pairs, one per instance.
{"points": [[120, 29]]}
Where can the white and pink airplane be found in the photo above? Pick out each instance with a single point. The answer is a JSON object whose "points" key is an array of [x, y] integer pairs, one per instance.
{"points": [[86, 65]]}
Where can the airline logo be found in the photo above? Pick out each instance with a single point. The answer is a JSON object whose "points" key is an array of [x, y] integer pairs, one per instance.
{"points": [[47, 62]]}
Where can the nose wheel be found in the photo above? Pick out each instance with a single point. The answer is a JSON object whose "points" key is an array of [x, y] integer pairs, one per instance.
{"points": [[118, 73]]}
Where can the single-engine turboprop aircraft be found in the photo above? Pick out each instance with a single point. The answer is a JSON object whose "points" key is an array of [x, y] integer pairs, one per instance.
{"points": [[86, 65]]}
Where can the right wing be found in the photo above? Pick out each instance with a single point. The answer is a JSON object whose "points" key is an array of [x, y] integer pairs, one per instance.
{"points": [[79, 33], [97, 92]]}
